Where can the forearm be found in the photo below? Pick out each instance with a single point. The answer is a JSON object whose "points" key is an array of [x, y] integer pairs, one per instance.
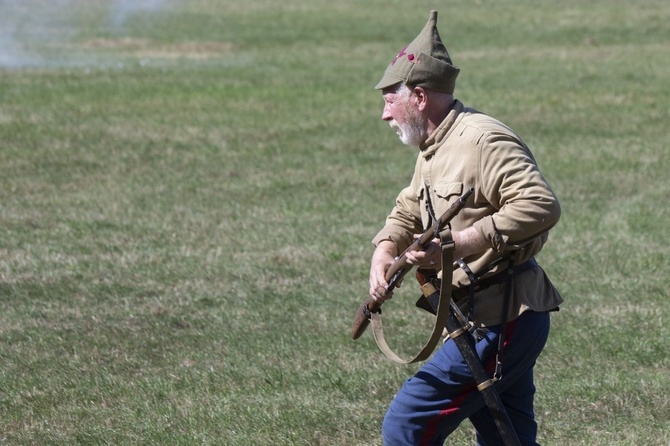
{"points": [[385, 252], [468, 242]]}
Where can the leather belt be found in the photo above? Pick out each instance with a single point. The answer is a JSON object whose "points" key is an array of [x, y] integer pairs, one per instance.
{"points": [[501, 277]]}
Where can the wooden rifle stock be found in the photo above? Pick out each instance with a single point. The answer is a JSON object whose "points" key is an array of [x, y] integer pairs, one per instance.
{"points": [[399, 268]]}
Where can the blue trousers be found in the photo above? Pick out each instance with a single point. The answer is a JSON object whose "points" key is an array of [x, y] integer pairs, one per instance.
{"points": [[442, 394]]}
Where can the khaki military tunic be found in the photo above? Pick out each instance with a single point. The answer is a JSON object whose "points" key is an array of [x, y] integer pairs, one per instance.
{"points": [[513, 207]]}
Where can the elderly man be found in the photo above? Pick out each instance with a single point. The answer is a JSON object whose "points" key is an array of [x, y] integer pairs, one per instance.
{"points": [[496, 238]]}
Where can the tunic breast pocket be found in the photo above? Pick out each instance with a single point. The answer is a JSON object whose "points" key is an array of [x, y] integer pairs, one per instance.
{"points": [[447, 192]]}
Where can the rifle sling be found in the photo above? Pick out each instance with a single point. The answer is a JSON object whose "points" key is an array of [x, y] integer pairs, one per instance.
{"points": [[442, 312]]}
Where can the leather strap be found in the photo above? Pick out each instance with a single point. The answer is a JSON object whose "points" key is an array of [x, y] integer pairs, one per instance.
{"points": [[447, 245], [481, 284], [497, 374]]}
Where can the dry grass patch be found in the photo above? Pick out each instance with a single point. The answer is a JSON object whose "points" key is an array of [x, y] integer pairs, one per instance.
{"points": [[152, 49]]}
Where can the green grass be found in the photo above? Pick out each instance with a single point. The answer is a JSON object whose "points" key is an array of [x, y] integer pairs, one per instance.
{"points": [[187, 198]]}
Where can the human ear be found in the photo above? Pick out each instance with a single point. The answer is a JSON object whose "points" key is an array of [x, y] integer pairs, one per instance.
{"points": [[421, 97]]}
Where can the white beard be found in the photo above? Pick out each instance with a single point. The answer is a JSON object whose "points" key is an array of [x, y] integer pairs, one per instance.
{"points": [[413, 131]]}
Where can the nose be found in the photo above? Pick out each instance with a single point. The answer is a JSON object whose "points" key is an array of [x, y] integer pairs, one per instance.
{"points": [[386, 113]]}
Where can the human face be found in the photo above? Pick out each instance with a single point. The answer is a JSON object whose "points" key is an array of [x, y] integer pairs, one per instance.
{"points": [[403, 116]]}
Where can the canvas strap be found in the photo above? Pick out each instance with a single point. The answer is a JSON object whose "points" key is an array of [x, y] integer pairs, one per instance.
{"points": [[447, 245]]}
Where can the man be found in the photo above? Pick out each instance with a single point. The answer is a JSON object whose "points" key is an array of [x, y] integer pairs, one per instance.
{"points": [[497, 235]]}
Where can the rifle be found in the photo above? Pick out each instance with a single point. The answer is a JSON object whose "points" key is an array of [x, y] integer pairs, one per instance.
{"points": [[400, 268]]}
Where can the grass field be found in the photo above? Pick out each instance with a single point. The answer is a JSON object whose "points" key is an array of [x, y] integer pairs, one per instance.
{"points": [[188, 191]]}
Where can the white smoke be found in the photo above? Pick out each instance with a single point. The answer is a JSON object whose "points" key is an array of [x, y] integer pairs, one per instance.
{"points": [[23, 25], [122, 10], [27, 27]]}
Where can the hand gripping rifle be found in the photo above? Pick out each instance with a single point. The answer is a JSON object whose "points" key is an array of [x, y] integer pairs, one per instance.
{"points": [[370, 310]]}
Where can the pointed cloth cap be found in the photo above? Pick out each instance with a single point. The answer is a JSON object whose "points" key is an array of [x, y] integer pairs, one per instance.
{"points": [[425, 62]]}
